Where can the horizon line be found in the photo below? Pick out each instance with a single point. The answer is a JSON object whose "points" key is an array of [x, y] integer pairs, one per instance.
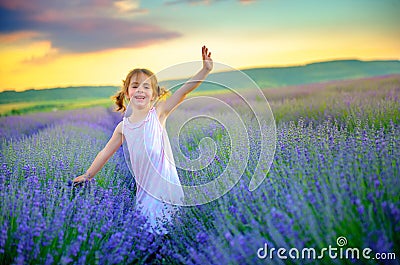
{"points": [[222, 71]]}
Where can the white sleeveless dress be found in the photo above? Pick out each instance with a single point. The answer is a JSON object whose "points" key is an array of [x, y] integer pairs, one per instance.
{"points": [[152, 164]]}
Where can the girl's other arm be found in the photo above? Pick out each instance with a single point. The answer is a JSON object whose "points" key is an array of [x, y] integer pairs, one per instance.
{"points": [[176, 98], [102, 157]]}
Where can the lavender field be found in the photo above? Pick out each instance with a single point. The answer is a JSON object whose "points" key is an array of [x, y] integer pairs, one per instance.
{"points": [[335, 174]]}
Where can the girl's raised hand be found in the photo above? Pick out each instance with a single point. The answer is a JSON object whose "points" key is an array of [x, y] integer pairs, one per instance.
{"points": [[207, 61]]}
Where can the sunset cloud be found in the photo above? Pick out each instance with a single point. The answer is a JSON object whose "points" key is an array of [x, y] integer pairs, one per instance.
{"points": [[128, 6], [246, 2], [80, 26], [205, 2], [16, 37]]}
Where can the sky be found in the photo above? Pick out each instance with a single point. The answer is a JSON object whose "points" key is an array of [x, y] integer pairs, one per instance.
{"points": [[48, 43]]}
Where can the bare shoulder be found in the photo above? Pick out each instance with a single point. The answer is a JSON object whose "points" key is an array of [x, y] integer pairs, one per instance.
{"points": [[118, 128]]}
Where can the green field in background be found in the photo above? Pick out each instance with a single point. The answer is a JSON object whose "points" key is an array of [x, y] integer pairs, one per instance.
{"points": [[21, 108]]}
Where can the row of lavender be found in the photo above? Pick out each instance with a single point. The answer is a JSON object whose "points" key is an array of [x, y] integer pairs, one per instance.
{"points": [[15, 127], [327, 180], [44, 220], [325, 183]]}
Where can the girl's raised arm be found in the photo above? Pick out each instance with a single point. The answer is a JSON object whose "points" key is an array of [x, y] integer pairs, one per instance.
{"points": [[102, 157], [176, 98]]}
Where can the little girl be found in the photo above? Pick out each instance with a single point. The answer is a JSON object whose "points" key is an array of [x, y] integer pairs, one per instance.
{"points": [[143, 130]]}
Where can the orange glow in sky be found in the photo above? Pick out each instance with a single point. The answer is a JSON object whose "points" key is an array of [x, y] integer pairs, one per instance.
{"points": [[94, 43]]}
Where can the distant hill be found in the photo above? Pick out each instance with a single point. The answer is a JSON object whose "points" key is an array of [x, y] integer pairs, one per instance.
{"points": [[297, 75], [264, 77], [321, 72], [65, 93]]}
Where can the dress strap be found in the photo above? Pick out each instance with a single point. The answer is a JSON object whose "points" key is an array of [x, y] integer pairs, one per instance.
{"points": [[123, 125]]}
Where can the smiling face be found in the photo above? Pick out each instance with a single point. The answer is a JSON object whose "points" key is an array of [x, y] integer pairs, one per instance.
{"points": [[140, 90]]}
